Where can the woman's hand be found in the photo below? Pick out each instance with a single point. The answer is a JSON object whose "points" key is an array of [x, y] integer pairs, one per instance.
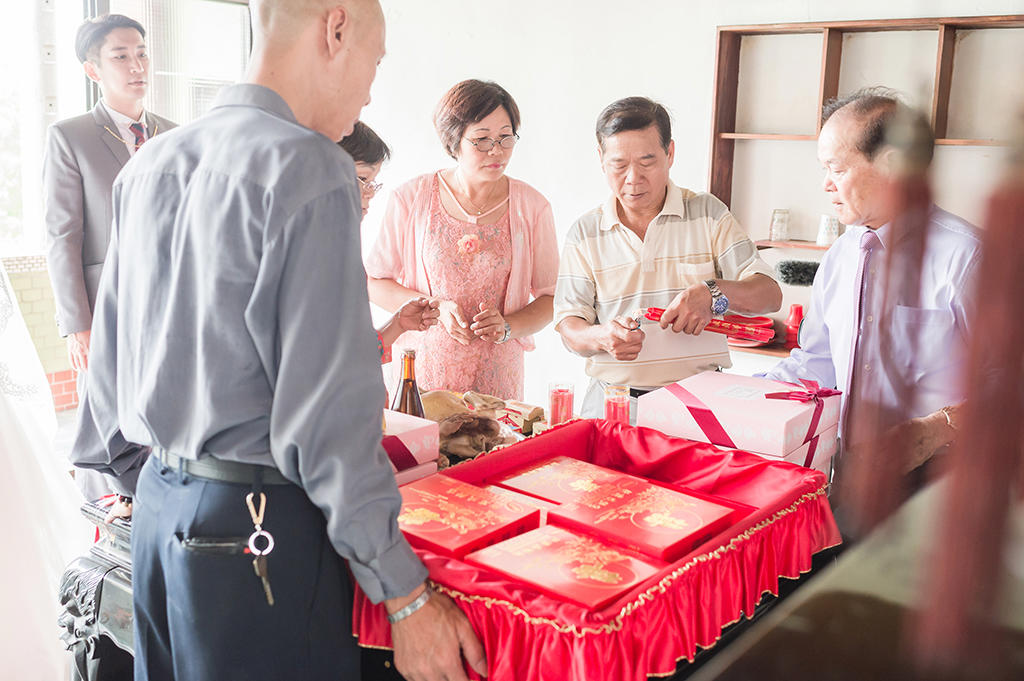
{"points": [[488, 324], [417, 314], [454, 321]]}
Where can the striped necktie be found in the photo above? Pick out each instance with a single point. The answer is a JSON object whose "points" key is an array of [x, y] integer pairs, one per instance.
{"points": [[140, 134]]}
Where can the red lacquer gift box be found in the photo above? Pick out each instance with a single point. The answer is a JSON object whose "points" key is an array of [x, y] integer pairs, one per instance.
{"points": [[452, 517], [560, 479], [655, 520], [530, 636], [567, 565]]}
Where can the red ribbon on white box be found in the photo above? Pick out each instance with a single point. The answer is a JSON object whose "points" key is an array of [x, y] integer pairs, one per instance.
{"points": [[814, 393], [701, 413], [399, 454], [809, 459]]}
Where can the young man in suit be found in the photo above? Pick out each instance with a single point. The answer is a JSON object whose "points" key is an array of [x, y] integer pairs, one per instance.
{"points": [[83, 156]]}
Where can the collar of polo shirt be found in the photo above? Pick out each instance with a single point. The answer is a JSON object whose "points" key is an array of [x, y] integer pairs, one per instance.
{"points": [[673, 206]]}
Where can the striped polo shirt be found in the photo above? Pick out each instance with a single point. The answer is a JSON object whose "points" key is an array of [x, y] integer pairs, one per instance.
{"points": [[606, 270]]}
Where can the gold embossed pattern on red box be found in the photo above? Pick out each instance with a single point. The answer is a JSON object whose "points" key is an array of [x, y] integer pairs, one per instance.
{"points": [[452, 517], [567, 565], [560, 479], [642, 515]]}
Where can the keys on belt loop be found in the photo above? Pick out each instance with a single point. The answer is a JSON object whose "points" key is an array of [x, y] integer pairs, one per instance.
{"points": [[259, 563]]}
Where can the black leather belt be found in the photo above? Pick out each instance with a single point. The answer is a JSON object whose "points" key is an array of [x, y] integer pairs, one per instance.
{"points": [[637, 392], [222, 471]]}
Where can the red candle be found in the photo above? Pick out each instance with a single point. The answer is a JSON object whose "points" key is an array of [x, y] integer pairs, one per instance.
{"points": [[616, 409], [560, 400]]}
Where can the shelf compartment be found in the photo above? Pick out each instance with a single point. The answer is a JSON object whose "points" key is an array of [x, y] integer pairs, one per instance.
{"points": [[766, 136]]}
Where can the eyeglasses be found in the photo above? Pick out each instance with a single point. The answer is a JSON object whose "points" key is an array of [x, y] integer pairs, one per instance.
{"points": [[486, 143], [370, 188]]}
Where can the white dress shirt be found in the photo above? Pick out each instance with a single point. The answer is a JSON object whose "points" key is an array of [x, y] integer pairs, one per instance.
{"points": [[941, 319], [123, 130]]}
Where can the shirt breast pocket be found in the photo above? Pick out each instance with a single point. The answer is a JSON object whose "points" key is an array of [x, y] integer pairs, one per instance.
{"points": [[924, 342], [694, 272]]}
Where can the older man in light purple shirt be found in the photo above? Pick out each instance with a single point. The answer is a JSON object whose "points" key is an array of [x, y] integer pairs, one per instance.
{"points": [[841, 341]]}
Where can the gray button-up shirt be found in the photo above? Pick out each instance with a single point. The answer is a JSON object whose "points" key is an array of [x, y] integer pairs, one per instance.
{"points": [[233, 321]]}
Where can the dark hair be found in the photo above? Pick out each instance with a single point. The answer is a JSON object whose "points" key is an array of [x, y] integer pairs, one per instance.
{"points": [[93, 32], [365, 146], [469, 102], [875, 106], [634, 113]]}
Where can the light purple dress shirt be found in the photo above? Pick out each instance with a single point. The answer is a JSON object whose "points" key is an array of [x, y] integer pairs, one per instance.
{"points": [[941, 318]]}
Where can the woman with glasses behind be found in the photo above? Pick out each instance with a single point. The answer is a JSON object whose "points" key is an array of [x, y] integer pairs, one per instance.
{"points": [[478, 242], [368, 152]]}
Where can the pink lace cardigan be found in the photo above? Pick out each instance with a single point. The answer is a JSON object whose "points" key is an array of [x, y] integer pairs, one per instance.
{"points": [[397, 253]]}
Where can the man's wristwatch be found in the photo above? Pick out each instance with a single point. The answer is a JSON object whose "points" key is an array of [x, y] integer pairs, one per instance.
{"points": [[508, 334], [719, 303]]}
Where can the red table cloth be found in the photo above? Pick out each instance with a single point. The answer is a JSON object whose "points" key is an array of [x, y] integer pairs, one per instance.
{"points": [[529, 636]]}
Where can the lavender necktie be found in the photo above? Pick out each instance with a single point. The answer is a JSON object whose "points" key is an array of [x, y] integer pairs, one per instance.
{"points": [[868, 241]]}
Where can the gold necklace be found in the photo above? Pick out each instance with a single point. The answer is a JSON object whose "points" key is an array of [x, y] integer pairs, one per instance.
{"points": [[465, 189], [156, 128]]}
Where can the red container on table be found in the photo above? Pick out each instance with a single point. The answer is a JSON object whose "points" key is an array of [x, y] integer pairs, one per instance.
{"points": [[616, 403], [669, 616], [644, 516], [560, 403], [559, 479], [452, 517], [567, 565]]}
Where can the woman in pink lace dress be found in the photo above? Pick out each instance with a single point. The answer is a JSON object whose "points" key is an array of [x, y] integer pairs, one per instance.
{"points": [[478, 242]]}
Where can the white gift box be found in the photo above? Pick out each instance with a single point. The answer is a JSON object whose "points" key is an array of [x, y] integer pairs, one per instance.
{"points": [[816, 454], [410, 441], [408, 475], [733, 411]]}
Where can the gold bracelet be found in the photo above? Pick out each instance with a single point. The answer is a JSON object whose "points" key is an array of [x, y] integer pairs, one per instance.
{"points": [[949, 420]]}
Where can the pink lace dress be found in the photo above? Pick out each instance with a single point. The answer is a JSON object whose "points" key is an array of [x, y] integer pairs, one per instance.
{"points": [[469, 264]]}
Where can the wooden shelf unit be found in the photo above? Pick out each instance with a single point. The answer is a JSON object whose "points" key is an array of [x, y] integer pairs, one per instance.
{"points": [[727, 69], [766, 136]]}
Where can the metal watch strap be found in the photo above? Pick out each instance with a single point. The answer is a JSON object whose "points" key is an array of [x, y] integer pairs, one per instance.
{"points": [[416, 604], [712, 285]]}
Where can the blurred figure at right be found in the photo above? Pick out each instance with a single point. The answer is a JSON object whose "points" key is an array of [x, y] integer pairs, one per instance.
{"points": [[860, 335]]}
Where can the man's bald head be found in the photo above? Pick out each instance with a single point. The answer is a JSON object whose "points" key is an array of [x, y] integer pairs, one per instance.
{"points": [[320, 56], [275, 20]]}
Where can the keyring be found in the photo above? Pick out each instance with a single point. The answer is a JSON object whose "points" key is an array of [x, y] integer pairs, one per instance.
{"points": [[252, 543]]}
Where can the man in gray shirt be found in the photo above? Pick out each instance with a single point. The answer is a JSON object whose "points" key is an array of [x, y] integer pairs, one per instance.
{"points": [[232, 334]]}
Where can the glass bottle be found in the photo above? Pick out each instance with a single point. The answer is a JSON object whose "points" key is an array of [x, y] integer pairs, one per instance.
{"points": [[407, 393]]}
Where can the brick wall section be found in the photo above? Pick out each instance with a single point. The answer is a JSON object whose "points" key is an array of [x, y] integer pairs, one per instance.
{"points": [[31, 284], [64, 388]]}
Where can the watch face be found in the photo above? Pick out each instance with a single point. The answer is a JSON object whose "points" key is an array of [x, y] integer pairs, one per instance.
{"points": [[719, 305]]}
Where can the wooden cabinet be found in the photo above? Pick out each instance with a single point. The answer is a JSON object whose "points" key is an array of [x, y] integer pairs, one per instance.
{"points": [[961, 94]]}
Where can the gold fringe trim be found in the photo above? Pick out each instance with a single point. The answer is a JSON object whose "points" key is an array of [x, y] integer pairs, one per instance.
{"points": [[647, 596]]}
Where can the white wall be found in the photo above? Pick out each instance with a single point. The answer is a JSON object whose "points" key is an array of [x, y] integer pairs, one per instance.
{"points": [[563, 62]]}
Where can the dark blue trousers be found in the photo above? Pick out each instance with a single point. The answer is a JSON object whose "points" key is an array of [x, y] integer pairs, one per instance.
{"points": [[200, 610]]}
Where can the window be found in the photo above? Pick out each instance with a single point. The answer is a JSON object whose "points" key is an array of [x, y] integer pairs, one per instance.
{"points": [[196, 47]]}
